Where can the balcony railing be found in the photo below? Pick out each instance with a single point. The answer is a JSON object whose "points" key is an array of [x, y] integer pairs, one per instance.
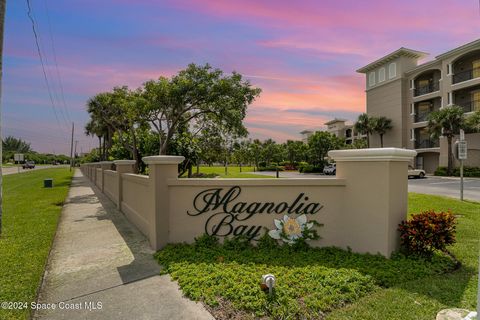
{"points": [[426, 143], [431, 87], [469, 106], [466, 75], [422, 116]]}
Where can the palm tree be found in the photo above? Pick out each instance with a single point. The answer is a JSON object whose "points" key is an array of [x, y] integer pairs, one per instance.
{"points": [[381, 125], [11, 144], [473, 122], [364, 125], [446, 122]]}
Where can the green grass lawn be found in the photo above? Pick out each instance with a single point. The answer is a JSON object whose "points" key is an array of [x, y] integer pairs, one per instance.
{"points": [[320, 283], [233, 172], [423, 298], [30, 217]]}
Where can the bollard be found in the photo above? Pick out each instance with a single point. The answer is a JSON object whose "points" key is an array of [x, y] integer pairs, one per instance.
{"points": [[48, 183]]}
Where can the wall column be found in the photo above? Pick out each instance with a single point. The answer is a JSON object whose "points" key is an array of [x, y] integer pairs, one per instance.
{"points": [[377, 194], [105, 165], [122, 166], [161, 169]]}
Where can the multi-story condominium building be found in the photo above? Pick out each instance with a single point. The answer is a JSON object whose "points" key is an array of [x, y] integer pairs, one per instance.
{"points": [[338, 127], [400, 89]]}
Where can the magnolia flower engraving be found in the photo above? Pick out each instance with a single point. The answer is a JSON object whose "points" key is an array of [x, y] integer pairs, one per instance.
{"points": [[290, 229]]}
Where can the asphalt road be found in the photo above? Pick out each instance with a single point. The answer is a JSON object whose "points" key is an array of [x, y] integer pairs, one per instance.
{"points": [[442, 186], [13, 170], [447, 186]]}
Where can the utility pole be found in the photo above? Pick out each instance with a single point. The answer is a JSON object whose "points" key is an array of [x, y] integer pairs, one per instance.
{"points": [[75, 153], [3, 4], [71, 147]]}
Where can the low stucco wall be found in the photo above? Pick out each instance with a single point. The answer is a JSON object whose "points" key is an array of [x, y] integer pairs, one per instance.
{"points": [[136, 202], [98, 177], [360, 208], [186, 223], [110, 185]]}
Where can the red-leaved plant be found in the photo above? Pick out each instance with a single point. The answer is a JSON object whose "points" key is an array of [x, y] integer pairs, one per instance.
{"points": [[428, 231]]}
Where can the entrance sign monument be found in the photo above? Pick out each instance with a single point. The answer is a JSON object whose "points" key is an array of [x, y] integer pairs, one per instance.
{"points": [[360, 208]]}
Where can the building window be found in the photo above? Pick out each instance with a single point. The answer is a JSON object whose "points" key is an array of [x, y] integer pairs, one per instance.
{"points": [[371, 79], [412, 134], [381, 75], [392, 70]]}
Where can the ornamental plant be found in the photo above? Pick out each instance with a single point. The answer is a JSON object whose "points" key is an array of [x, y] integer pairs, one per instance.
{"points": [[428, 231]]}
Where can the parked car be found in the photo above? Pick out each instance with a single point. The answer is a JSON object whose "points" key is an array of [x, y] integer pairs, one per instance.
{"points": [[330, 169], [415, 173], [29, 165]]}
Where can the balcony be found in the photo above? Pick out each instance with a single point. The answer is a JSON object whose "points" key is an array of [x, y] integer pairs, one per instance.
{"points": [[467, 67], [427, 82], [426, 143], [422, 116], [470, 106], [431, 87], [424, 108], [468, 99], [466, 75]]}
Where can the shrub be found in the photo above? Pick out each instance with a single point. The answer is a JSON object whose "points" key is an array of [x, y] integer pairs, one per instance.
{"points": [[206, 241], [428, 231], [270, 168], [310, 169], [204, 175], [467, 171]]}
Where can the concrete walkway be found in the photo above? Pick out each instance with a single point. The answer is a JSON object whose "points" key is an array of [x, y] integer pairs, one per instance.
{"points": [[102, 267]]}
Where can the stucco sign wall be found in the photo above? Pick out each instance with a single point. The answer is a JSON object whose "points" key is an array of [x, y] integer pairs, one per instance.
{"points": [[355, 209], [227, 215]]}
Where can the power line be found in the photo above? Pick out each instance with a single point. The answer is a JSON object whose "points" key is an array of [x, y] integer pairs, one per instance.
{"points": [[62, 95], [29, 13]]}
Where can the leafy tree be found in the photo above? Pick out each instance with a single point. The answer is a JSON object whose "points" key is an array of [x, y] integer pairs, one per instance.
{"points": [[268, 150], [381, 125], [473, 122], [365, 125], [210, 145], [197, 96], [255, 149], [446, 122], [295, 151], [358, 144], [119, 112], [320, 143], [12, 144]]}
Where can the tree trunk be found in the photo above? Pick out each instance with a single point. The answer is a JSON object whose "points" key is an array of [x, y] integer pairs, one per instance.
{"points": [[189, 169], [450, 156], [381, 140], [100, 147], [240, 164], [368, 140], [136, 155], [104, 152]]}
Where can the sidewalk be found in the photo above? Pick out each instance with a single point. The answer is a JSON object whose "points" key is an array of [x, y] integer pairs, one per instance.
{"points": [[102, 267]]}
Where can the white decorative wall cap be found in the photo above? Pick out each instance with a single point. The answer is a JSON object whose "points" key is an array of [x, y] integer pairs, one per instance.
{"points": [[106, 162], [163, 159], [124, 162], [373, 154]]}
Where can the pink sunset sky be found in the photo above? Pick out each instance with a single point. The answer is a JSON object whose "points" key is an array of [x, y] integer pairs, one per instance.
{"points": [[303, 54]]}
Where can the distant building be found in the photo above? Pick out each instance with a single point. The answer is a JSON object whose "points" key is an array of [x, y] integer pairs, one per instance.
{"points": [[306, 134], [400, 89], [338, 127]]}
